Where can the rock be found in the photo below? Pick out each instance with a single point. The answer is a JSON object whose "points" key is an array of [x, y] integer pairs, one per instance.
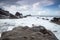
{"points": [[19, 15], [43, 18], [0, 8], [37, 17], [6, 15], [54, 31], [26, 33], [26, 27], [3, 17], [47, 19], [38, 29], [13, 17], [56, 20], [27, 15]]}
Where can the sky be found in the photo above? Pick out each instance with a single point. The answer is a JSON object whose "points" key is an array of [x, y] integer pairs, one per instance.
{"points": [[34, 7]]}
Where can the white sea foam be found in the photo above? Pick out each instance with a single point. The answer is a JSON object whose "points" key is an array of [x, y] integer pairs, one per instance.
{"points": [[11, 23]]}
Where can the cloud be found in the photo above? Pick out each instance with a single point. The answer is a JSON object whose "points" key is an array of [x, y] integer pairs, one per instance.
{"points": [[30, 2], [46, 2], [36, 5], [1, 4], [12, 9], [9, 1], [26, 2], [23, 7], [43, 12], [58, 12], [27, 9], [59, 6], [28, 6]]}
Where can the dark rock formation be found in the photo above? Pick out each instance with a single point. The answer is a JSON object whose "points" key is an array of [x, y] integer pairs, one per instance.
{"points": [[26, 33], [13, 17], [43, 18], [27, 15], [55, 31], [56, 20], [19, 15], [6, 15], [37, 17], [47, 19]]}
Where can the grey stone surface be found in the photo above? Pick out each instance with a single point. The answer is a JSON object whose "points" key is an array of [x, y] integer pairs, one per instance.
{"points": [[26, 33]]}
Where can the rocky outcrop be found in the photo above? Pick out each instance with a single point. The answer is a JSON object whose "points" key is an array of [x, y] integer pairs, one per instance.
{"points": [[27, 15], [26, 33], [19, 15], [6, 15], [56, 20], [13, 17]]}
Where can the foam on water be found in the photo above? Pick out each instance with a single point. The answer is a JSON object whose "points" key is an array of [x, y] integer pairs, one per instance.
{"points": [[28, 22]]}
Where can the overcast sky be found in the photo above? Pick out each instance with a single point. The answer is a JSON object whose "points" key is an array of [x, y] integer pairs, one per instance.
{"points": [[35, 7]]}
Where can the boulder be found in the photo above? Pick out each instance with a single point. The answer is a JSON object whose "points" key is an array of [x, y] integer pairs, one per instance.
{"points": [[43, 18], [19, 15], [26, 33], [47, 19]]}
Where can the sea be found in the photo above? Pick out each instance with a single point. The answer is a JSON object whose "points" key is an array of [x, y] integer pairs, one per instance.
{"points": [[9, 24]]}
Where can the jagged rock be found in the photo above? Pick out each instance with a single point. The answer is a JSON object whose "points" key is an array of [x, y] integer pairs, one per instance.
{"points": [[6, 15], [54, 31], [47, 19], [19, 15], [25, 33], [43, 18], [27, 15], [0, 8], [3, 17], [13, 16], [56, 20]]}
